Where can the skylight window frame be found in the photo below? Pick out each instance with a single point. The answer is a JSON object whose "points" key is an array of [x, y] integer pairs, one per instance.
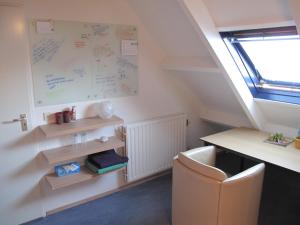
{"points": [[258, 86]]}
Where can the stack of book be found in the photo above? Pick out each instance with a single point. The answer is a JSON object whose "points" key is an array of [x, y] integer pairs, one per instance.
{"points": [[106, 161]]}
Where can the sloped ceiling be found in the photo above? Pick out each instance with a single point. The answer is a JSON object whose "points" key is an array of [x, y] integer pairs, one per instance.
{"points": [[231, 13], [212, 89], [175, 34], [169, 23]]}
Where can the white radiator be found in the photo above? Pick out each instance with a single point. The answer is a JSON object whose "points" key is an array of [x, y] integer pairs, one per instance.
{"points": [[151, 145]]}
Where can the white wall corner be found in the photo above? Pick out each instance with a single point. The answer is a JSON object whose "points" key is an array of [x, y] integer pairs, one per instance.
{"points": [[274, 128], [228, 119], [204, 25]]}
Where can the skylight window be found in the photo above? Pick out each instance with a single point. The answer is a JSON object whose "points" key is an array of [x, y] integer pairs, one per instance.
{"points": [[269, 60]]}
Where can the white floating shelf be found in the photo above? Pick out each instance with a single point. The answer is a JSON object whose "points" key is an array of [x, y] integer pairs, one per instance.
{"points": [[85, 174], [55, 130], [69, 152]]}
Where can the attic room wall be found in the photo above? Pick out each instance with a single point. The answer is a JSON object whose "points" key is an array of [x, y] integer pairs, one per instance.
{"points": [[189, 58], [164, 19], [159, 94]]}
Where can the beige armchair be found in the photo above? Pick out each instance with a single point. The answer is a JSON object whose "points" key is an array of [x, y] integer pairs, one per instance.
{"points": [[204, 195]]}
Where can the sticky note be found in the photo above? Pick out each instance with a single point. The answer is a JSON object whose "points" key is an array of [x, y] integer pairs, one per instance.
{"points": [[129, 47], [44, 27]]}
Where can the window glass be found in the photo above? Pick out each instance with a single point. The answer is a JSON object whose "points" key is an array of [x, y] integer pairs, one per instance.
{"points": [[269, 61], [275, 60]]}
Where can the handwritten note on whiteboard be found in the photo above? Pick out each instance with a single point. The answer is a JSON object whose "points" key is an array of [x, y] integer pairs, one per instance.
{"points": [[80, 61], [129, 47]]}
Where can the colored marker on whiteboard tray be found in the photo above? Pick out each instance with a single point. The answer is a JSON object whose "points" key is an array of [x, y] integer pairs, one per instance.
{"points": [[73, 113]]}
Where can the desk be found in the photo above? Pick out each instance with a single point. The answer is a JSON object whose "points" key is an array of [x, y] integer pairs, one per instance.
{"points": [[249, 142]]}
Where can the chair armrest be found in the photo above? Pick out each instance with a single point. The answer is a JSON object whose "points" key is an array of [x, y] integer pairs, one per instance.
{"points": [[240, 197], [246, 174]]}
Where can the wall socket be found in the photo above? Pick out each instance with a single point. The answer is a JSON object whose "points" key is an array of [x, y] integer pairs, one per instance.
{"points": [[49, 117]]}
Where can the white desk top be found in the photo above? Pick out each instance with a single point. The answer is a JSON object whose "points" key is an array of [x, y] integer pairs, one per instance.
{"points": [[251, 142]]}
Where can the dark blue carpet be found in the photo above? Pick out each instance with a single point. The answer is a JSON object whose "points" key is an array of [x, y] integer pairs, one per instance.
{"points": [[145, 204]]}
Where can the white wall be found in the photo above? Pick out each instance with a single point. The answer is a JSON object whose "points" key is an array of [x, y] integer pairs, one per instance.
{"points": [[281, 117], [159, 94], [169, 27], [19, 178]]}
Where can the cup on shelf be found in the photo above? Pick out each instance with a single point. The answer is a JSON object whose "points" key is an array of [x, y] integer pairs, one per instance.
{"points": [[67, 116], [59, 118], [103, 139], [83, 138], [297, 142], [76, 140]]}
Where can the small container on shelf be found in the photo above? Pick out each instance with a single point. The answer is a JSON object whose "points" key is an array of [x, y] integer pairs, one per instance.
{"points": [[67, 169], [297, 140], [103, 139], [73, 113], [83, 138], [67, 116], [59, 118], [76, 140]]}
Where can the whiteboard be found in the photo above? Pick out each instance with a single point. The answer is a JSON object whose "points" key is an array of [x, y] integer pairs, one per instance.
{"points": [[78, 61]]}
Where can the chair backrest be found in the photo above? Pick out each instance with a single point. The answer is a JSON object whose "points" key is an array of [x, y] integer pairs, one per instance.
{"points": [[204, 195], [196, 187], [202, 161], [240, 197], [195, 197]]}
